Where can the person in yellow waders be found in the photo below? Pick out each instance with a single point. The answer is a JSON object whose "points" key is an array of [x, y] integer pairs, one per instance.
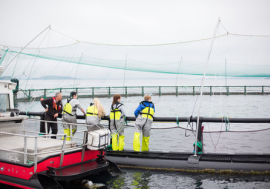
{"points": [[94, 113], [117, 123], [69, 115], [144, 118]]}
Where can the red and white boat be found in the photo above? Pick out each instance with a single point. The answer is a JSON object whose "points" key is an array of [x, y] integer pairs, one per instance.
{"points": [[28, 160]]}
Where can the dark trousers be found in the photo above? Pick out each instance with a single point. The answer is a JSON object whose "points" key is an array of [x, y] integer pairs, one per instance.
{"points": [[51, 126]]}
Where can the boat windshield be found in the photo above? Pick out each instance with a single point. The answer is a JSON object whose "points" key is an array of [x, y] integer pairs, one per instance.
{"points": [[4, 102]]}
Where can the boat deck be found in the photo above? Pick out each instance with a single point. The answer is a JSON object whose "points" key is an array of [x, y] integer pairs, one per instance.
{"points": [[16, 143]]}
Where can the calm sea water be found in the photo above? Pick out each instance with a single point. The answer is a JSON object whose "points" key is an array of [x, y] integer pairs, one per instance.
{"points": [[175, 140]]}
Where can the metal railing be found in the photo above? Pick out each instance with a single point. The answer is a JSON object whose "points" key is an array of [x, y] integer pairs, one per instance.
{"points": [[46, 135], [92, 92]]}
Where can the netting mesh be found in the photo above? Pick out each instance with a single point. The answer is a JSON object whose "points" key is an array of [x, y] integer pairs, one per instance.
{"points": [[136, 65]]}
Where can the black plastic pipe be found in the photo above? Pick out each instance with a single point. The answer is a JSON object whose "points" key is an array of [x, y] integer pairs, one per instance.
{"points": [[175, 119]]}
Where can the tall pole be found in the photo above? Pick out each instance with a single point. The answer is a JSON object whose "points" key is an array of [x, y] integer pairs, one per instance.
{"points": [[202, 84], [26, 46], [125, 71], [178, 72], [225, 72]]}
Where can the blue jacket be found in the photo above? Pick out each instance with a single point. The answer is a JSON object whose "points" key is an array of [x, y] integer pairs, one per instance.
{"points": [[141, 107]]}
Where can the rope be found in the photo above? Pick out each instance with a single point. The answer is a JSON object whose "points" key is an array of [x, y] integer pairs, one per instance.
{"points": [[176, 127]]}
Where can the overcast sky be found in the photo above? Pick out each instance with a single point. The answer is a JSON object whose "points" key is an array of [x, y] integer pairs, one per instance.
{"points": [[131, 22]]}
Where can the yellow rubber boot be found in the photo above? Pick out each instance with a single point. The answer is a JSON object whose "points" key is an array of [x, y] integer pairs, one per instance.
{"points": [[121, 142], [114, 142], [145, 143], [67, 132], [136, 142]]}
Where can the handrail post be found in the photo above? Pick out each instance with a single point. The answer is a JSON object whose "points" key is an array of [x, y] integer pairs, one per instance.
{"points": [[46, 128], [142, 91], [193, 90], [263, 90], [211, 91], [176, 89], [25, 150], [44, 92], [35, 160], [126, 92], [63, 151], [159, 90], [70, 132], [77, 90], [109, 92], [84, 143], [93, 92], [245, 90], [60, 90], [23, 127], [228, 91]]}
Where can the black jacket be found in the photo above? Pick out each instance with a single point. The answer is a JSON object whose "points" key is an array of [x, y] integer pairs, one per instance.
{"points": [[52, 110]]}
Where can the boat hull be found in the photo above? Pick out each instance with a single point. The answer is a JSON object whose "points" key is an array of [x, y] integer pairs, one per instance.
{"points": [[48, 175]]}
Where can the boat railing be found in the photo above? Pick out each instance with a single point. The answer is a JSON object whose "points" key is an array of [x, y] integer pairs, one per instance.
{"points": [[63, 150], [35, 153]]}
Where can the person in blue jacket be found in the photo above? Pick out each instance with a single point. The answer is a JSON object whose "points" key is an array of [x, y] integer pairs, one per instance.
{"points": [[144, 118]]}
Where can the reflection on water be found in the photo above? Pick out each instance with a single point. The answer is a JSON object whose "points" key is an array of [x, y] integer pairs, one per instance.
{"points": [[136, 179]]}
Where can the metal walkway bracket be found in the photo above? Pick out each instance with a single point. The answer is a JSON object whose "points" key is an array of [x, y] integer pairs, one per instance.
{"points": [[193, 161]]}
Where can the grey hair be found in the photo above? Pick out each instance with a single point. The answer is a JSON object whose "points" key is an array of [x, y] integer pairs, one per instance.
{"points": [[57, 94]]}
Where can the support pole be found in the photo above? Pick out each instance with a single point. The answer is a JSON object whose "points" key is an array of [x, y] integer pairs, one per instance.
{"points": [[142, 91], [84, 143], [93, 92], [29, 94], [44, 92], [159, 90], [228, 91], [109, 92], [203, 79], [211, 93], [263, 90], [25, 150], [176, 91], [46, 128], [35, 159], [245, 90], [193, 90], [126, 92]]}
